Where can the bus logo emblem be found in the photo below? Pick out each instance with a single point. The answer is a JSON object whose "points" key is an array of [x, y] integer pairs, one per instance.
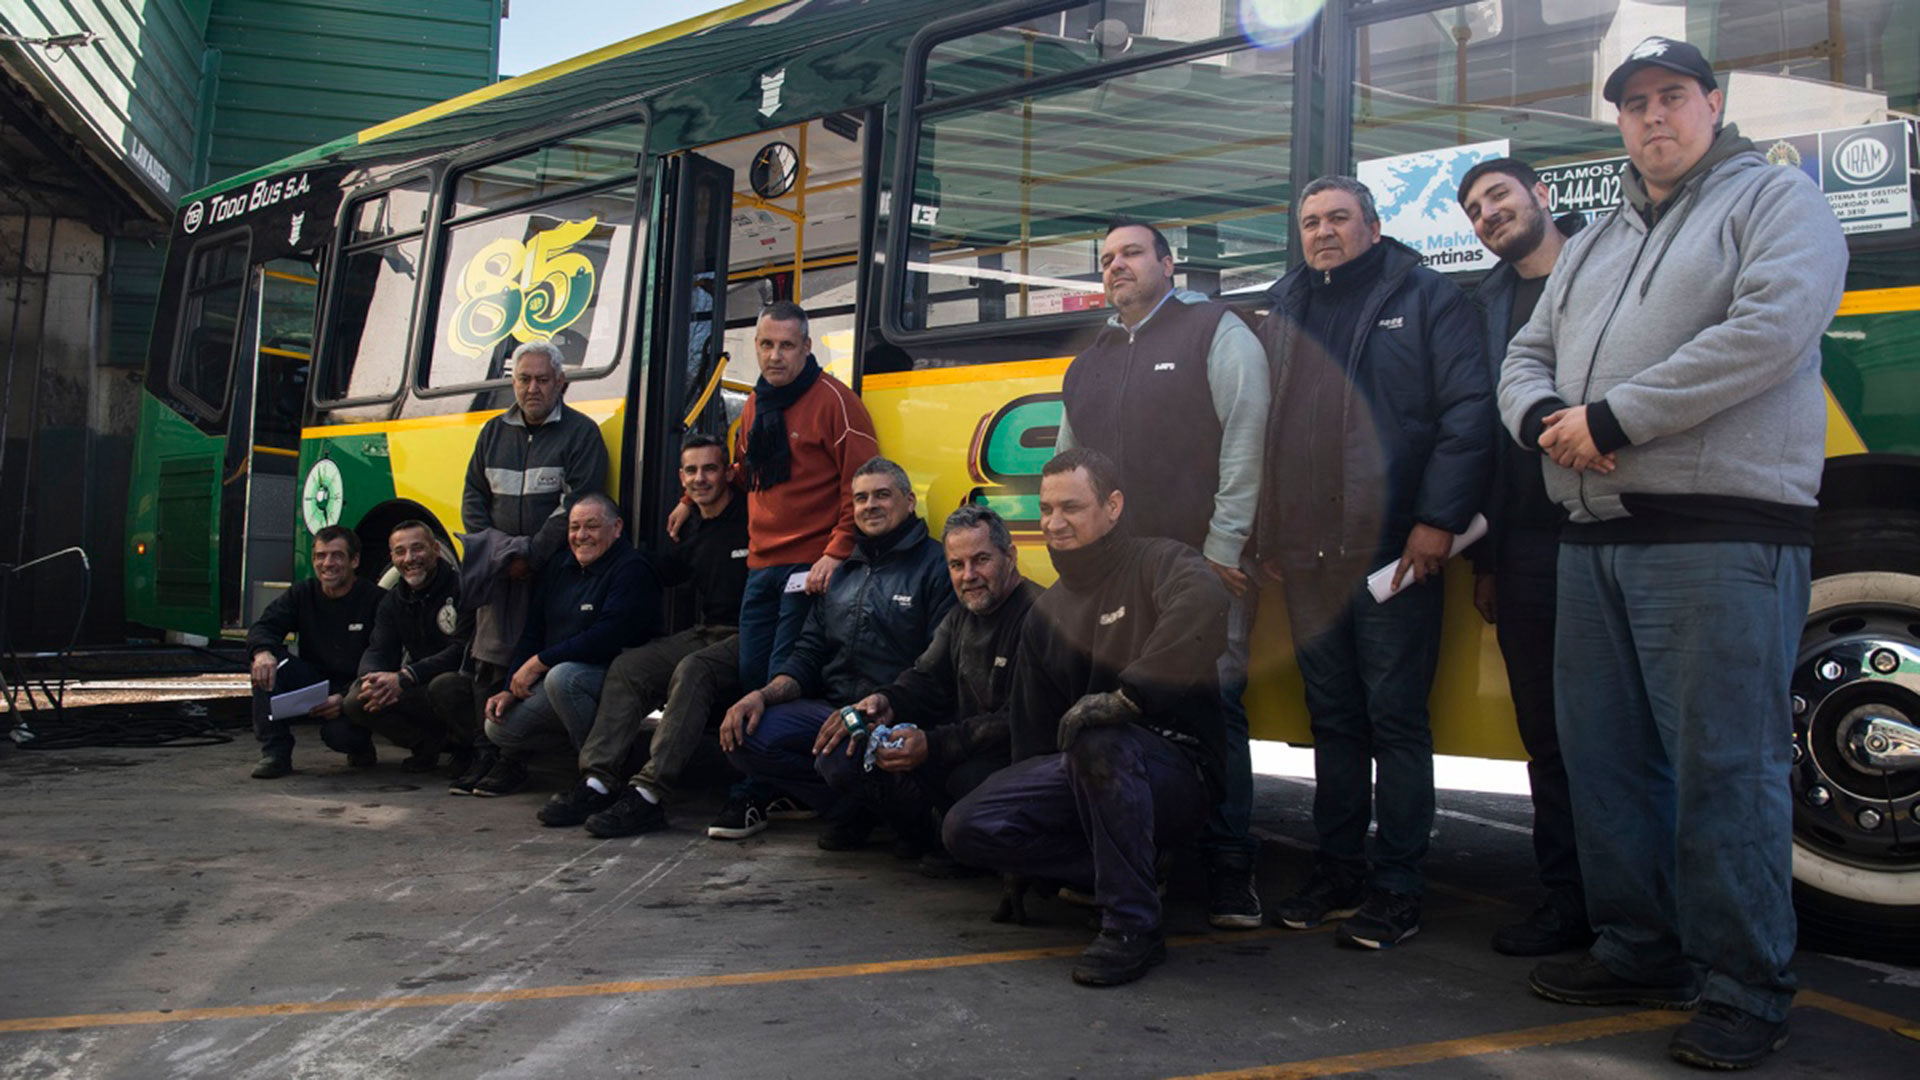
{"points": [[196, 214], [323, 496]]}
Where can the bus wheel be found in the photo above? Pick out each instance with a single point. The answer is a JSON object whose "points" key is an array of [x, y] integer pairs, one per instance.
{"points": [[1856, 751]]}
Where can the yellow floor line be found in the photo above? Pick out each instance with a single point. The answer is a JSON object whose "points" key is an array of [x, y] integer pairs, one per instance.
{"points": [[1860, 1014], [549, 993]]}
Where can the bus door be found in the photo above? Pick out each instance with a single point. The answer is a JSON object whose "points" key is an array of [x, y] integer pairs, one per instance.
{"points": [[260, 496], [688, 361]]}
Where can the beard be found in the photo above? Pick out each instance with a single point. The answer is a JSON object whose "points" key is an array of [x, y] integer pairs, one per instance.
{"points": [[1533, 230]]}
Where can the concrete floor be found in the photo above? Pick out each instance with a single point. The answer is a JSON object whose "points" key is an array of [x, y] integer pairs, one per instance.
{"points": [[165, 916]]}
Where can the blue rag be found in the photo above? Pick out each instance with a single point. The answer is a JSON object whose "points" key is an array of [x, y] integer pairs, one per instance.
{"points": [[883, 737]]}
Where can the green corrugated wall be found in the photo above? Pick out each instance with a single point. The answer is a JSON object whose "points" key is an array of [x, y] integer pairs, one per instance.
{"points": [[295, 73]]}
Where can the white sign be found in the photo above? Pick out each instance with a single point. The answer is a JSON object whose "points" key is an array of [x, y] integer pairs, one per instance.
{"points": [[1418, 198]]}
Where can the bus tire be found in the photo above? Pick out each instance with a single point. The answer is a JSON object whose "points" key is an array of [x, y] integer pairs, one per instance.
{"points": [[1856, 836]]}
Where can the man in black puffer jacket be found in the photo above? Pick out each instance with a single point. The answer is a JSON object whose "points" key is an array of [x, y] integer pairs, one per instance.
{"points": [[877, 616], [1380, 442], [1119, 745], [410, 688]]}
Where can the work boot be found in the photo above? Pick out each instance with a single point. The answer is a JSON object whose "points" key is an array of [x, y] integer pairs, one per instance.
{"points": [[1232, 902], [480, 764], [272, 766], [632, 814], [1548, 930], [575, 805], [1325, 896], [1721, 1036], [1385, 920], [1587, 981], [1119, 956]]}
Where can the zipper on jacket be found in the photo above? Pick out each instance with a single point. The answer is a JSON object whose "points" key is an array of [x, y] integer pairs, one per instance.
{"points": [[1586, 387]]}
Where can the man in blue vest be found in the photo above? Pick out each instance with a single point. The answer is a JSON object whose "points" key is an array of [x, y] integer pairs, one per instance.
{"points": [[1171, 360]]}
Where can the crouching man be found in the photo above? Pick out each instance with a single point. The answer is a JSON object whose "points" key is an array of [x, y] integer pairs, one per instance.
{"points": [[1117, 736], [948, 712], [410, 689]]}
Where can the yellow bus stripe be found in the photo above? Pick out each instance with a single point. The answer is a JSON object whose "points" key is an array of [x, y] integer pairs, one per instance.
{"points": [[951, 376], [268, 350], [422, 423], [568, 67], [1880, 301]]}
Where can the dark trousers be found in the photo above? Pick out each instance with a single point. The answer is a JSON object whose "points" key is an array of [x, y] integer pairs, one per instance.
{"points": [[276, 736], [1095, 816], [419, 721], [685, 676], [1524, 594], [1368, 672], [779, 753], [910, 803]]}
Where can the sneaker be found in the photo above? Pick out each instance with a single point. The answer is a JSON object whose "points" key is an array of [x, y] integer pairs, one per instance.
{"points": [[272, 767], [363, 759], [1232, 902], [742, 817], [460, 762], [1119, 956], [575, 805], [423, 759], [1549, 930], [781, 808], [507, 776], [1721, 1036], [848, 834], [1322, 898], [1587, 981], [480, 764], [631, 814], [1385, 920]]}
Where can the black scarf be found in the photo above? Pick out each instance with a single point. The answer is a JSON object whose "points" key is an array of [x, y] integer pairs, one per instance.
{"points": [[1086, 568], [769, 457]]}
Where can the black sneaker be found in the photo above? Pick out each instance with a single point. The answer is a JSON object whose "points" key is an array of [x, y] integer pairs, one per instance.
{"points": [[423, 759], [631, 814], [1547, 931], [1324, 897], [1587, 981], [1232, 902], [363, 759], [460, 762], [1385, 920], [479, 765], [575, 805], [781, 808], [1721, 1036], [272, 767], [742, 817], [1119, 956], [849, 833], [507, 776]]}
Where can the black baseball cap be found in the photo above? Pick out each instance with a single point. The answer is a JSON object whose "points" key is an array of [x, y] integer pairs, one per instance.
{"points": [[1660, 52]]}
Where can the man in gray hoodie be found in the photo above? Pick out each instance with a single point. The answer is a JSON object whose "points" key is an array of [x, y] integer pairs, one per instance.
{"points": [[1671, 373]]}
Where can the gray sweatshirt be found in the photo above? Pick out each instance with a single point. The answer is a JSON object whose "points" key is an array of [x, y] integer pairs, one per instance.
{"points": [[1695, 343]]}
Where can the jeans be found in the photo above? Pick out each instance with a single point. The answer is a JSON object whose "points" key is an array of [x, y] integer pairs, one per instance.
{"points": [[567, 695], [1524, 591], [1228, 835], [1672, 674], [770, 620], [276, 736], [1096, 815], [686, 676], [1368, 673], [779, 753]]}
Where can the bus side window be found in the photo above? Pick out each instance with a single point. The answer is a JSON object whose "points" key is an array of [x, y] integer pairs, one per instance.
{"points": [[216, 291], [366, 347]]}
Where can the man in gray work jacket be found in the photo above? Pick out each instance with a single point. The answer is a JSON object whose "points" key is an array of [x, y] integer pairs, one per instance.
{"points": [[1170, 360], [1672, 375]]}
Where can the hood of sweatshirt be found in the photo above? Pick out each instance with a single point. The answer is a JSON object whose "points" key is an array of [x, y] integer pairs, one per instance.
{"points": [[1726, 143]]}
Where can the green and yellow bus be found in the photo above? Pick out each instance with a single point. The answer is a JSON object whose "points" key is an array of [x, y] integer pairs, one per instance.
{"points": [[931, 181]]}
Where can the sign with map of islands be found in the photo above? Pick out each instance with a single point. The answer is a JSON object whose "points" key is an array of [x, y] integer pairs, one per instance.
{"points": [[1417, 195]]}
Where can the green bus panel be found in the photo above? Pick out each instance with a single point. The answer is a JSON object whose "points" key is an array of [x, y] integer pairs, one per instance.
{"points": [[173, 523]]}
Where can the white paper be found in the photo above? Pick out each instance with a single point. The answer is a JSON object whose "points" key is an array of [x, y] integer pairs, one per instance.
{"points": [[797, 582], [1380, 582], [297, 702]]}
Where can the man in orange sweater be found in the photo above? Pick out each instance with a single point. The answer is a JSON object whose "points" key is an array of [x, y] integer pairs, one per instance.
{"points": [[801, 438]]}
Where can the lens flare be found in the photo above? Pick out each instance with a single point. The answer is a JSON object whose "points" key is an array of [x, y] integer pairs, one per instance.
{"points": [[1272, 23]]}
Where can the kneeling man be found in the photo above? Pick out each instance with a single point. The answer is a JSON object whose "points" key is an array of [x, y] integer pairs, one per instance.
{"points": [[1118, 740], [410, 688]]}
